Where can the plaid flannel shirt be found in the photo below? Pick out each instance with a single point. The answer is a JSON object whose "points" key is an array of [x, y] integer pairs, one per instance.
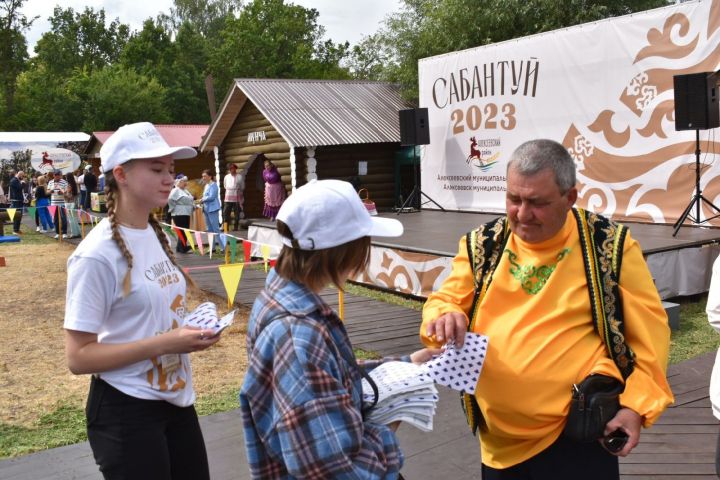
{"points": [[301, 398]]}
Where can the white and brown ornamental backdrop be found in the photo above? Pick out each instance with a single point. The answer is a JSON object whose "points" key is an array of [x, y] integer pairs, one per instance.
{"points": [[605, 90]]}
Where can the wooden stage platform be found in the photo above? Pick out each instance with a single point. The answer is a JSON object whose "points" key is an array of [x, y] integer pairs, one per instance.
{"points": [[680, 265], [438, 231]]}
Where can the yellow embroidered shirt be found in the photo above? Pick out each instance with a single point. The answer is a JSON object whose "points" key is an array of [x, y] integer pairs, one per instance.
{"points": [[541, 343]]}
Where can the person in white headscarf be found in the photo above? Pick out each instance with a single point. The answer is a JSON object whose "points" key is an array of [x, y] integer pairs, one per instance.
{"points": [[180, 207]]}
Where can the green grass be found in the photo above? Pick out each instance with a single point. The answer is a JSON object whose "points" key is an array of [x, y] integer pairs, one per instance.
{"points": [[64, 426], [695, 335], [383, 296], [218, 402], [29, 237]]}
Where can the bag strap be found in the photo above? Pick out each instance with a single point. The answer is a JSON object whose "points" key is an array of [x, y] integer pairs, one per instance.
{"points": [[376, 392], [602, 242]]}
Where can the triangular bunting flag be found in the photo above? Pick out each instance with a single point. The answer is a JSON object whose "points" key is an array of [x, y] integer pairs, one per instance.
{"points": [[247, 246], [199, 240], [211, 243], [233, 248], [180, 237], [265, 249], [31, 211], [52, 209], [11, 213], [189, 237], [231, 275]]}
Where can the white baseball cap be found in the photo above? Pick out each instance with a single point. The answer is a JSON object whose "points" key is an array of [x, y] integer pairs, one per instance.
{"points": [[137, 141], [328, 213]]}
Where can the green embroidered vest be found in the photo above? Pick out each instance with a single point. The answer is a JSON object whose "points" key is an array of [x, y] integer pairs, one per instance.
{"points": [[602, 243]]}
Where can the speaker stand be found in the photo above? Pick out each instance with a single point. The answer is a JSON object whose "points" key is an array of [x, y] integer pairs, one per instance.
{"points": [[416, 191], [698, 197]]}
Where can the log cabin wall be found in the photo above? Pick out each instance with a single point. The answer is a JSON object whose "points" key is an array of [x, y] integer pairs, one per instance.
{"points": [[240, 147], [193, 167], [341, 162]]}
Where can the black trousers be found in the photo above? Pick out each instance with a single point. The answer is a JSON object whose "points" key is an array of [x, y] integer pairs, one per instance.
{"points": [[227, 209], [135, 439], [182, 221], [563, 460], [18, 214]]}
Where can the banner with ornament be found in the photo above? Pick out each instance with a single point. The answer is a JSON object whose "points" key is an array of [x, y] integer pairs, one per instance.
{"points": [[603, 89]]}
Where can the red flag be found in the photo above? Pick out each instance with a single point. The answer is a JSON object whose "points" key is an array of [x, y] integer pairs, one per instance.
{"points": [[246, 248], [180, 236]]}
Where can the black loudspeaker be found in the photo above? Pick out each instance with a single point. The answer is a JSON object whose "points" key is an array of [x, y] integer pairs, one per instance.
{"points": [[414, 129], [696, 101]]}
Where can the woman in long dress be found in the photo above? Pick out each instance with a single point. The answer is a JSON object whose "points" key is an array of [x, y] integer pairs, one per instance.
{"points": [[274, 189]]}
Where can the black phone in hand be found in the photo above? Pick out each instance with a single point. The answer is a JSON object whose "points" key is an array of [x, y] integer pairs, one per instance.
{"points": [[615, 441]]}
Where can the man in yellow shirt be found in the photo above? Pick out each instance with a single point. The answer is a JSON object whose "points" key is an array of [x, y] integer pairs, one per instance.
{"points": [[536, 307]]}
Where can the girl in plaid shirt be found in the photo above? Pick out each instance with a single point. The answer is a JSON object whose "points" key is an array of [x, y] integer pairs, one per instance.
{"points": [[301, 400]]}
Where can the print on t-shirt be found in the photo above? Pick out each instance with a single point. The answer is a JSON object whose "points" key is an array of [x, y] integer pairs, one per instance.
{"points": [[164, 274]]}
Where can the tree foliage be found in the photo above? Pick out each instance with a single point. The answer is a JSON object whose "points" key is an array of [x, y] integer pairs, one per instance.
{"points": [[80, 41], [272, 39], [206, 16], [13, 50], [109, 98], [91, 73]]}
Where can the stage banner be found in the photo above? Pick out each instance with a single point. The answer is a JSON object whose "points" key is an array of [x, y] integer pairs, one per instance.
{"points": [[604, 90]]}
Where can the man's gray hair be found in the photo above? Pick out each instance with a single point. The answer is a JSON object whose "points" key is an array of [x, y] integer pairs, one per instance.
{"points": [[534, 156]]}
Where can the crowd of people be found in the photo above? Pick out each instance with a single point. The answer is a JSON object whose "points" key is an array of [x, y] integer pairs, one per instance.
{"points": [[74, 191], [68, 191]]}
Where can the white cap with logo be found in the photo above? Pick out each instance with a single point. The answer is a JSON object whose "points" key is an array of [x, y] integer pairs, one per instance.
{"points": [[328, 213], [138, 141]]}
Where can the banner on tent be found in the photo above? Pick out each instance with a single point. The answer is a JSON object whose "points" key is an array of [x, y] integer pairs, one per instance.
{"points": [[604, 90]]}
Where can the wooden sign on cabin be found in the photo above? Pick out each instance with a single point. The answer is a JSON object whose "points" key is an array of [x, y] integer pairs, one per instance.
{"points": [[256, 137]]}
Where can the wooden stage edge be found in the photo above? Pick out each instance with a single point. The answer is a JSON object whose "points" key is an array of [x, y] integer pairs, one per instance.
{"points": [[674, 261]]}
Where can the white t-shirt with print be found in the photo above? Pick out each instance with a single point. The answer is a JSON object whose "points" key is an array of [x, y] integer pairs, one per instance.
{"points": [[155, 304]]}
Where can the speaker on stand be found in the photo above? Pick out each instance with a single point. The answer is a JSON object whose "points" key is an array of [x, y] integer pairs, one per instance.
{"points": [[415, 130], [696, 108]]}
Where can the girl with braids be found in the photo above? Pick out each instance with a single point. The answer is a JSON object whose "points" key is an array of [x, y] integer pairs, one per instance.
{"points": [[124, 321]]}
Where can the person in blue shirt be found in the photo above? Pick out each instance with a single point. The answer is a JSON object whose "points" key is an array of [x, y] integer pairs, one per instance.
{"points": [[211, 205]]}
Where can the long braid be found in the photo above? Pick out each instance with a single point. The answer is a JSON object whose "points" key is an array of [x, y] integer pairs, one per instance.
{"points": [[110, 192], [162, 237]]}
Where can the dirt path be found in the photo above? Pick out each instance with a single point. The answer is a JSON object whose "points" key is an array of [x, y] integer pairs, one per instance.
{"points": [[34, 378]]}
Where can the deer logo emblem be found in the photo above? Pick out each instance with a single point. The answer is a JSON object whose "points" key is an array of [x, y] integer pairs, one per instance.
{"points": [[474, 153]]}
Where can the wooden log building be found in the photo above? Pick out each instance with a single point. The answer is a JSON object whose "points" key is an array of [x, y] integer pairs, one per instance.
{"points": [[347, 130]]}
